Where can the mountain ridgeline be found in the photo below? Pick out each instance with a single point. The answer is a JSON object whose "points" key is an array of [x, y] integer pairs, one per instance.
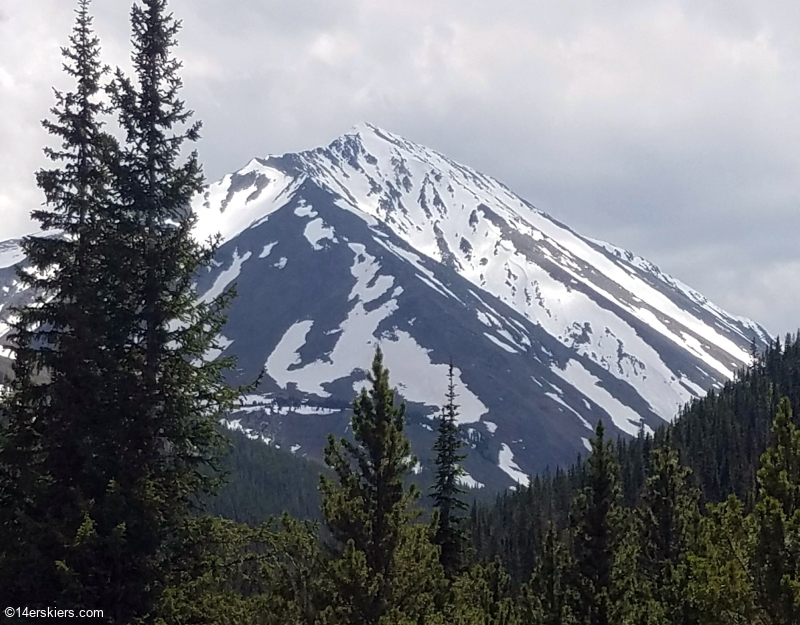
{"points": [[375, 240]]}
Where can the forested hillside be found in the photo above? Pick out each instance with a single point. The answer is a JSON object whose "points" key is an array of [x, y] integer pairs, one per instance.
{"points": [[263, 481], [720, 437]]}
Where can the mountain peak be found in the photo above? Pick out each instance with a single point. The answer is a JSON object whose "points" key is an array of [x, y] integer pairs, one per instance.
{"points": [[378, 240], [365, 128]]}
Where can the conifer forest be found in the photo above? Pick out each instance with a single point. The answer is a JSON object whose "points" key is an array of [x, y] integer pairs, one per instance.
{"points": [[120, 492]]}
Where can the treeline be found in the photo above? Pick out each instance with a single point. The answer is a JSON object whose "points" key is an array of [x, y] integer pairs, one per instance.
{"points": [[262, 481], [720, 437]]}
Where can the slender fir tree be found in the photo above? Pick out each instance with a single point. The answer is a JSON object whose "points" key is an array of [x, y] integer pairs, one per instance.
{"points": [[596, 530], [50, 475], [105, 454], [776, 554], [451, 536], [383, 566]]}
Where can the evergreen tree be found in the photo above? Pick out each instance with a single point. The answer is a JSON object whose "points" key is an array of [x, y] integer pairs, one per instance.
{"points": [[720, 585], [550, 597], [596, 530], [482, 596], [50, 475], [776, 554], [368, 511], [262, 575], [632, 600], [169, 393], [106, 453], [446, 492], [668, 514]]}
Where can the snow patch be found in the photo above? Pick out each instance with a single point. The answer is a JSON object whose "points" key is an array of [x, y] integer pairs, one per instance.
{"points": [[226, 277], [465, 479], [217, 213], [317, 231], [624, 417], [365, 269], [418, 379], [236, 424], [506, 464], [267, 249], [560, 401], [500, 343]]}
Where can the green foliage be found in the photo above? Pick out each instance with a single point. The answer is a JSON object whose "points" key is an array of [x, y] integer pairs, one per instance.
{"points": [[446, 493], [383, 570], [482, 595], [776, 556], [550, 597], [112, 410], [720, 580], [596, 530], [237, 574], [668, 515], [263, 481]]}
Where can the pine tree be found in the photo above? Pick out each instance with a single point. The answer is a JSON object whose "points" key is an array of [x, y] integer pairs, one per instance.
{"points": [[103, 459], [550, 597], [776, 553], [446, 492], [368, 511], [48, 470], [596, 530], [669, 514]]}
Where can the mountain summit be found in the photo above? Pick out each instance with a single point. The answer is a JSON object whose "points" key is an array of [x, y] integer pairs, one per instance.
{"points": [[378, 240]]}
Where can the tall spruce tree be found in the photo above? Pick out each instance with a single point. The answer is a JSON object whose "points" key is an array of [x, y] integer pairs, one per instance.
{"points": [[595, 527], [171, 393], [383, 568], [103, 459], [51, 476], [451, 536], [776, 553], [669, 515]]}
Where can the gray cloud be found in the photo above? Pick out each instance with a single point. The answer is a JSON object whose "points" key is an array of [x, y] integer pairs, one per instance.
{"points": [[666, 127]]}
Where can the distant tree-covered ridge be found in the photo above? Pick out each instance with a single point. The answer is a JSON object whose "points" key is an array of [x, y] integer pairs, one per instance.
{"points": [[264, 481], [720, 438]]}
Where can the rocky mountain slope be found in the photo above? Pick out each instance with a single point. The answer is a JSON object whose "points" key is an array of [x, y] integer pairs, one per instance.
{"points": [[377, 240]]}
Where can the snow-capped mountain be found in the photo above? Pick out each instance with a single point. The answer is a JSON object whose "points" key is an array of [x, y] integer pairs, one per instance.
{"points": [[377, 240]]}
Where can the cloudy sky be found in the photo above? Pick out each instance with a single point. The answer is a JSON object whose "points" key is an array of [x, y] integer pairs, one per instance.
{"points": [[669, 128]]}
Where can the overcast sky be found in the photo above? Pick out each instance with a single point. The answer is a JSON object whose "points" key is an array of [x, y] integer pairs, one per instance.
{"points": [[669, 128]]}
